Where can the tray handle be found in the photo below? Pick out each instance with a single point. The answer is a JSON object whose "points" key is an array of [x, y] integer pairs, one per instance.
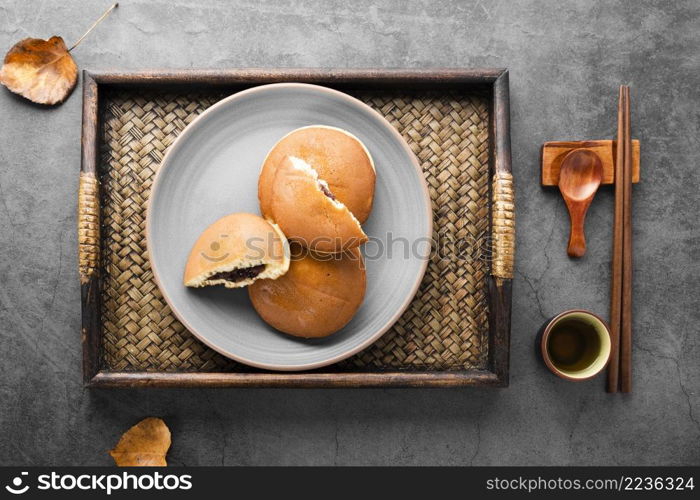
{"points": [[503, 220], [88, 226]]}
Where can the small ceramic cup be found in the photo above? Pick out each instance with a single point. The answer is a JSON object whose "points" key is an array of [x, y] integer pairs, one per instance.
{"points": [[575, 345]]}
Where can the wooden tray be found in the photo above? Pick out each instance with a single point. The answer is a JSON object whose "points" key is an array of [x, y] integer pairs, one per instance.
{"points": [[456, 331]]}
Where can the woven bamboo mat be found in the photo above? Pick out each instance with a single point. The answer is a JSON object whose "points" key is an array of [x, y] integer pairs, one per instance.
{"points": [[446, 325]]}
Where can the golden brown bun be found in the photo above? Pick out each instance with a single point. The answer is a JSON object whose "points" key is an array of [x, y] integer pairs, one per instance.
{"points": [[237, 241], [340, 159], [306, 214], [318, 296]]}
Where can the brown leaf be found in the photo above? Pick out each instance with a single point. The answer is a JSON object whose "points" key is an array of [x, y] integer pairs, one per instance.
{"points": [[43, 71], [145, 444]]}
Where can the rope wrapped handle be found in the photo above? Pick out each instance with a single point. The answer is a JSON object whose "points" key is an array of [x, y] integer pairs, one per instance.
{"points": [[88, 226], [503, 220]]}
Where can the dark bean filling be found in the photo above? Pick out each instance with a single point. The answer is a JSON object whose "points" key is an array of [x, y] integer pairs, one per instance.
{"points": [[326, 191], [239, 274]]}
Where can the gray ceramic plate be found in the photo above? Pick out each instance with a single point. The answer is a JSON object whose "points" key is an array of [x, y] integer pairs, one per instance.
{"points": [[212, 170]]}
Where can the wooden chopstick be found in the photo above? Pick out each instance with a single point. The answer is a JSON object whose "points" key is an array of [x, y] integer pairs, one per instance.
{"points": [[616, 288], [626, 328]]}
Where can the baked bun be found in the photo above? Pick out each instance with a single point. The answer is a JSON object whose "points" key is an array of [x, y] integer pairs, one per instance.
{"points": [[340, 159], [318, 296], [235, 251], [307, 212]]}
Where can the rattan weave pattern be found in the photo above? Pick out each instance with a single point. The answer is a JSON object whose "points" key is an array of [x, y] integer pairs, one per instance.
{"points": [[445, 327]]}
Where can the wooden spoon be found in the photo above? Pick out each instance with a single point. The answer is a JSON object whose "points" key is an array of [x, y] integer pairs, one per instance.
{"points": [[580, 175]]}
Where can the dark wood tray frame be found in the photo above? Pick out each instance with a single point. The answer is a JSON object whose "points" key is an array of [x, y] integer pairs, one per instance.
{"points": [[493, 81]]}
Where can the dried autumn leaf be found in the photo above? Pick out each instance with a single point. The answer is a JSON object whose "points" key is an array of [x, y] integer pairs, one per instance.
{"points": [[145, 444], [41, 70]]}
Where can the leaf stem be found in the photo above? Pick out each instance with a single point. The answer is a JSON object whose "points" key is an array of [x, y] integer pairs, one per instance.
{"points": [[93, 26]]}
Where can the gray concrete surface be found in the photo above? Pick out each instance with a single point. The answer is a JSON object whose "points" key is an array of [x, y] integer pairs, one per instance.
{"points": [[566, 60]]}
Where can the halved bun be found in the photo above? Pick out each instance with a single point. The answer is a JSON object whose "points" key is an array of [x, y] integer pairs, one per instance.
{"points": [[318, 296], [307, 212], [235, 251], [340, 159]]}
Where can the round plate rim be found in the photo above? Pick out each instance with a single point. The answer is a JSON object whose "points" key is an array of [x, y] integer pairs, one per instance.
{"points": [[180, 139]]}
